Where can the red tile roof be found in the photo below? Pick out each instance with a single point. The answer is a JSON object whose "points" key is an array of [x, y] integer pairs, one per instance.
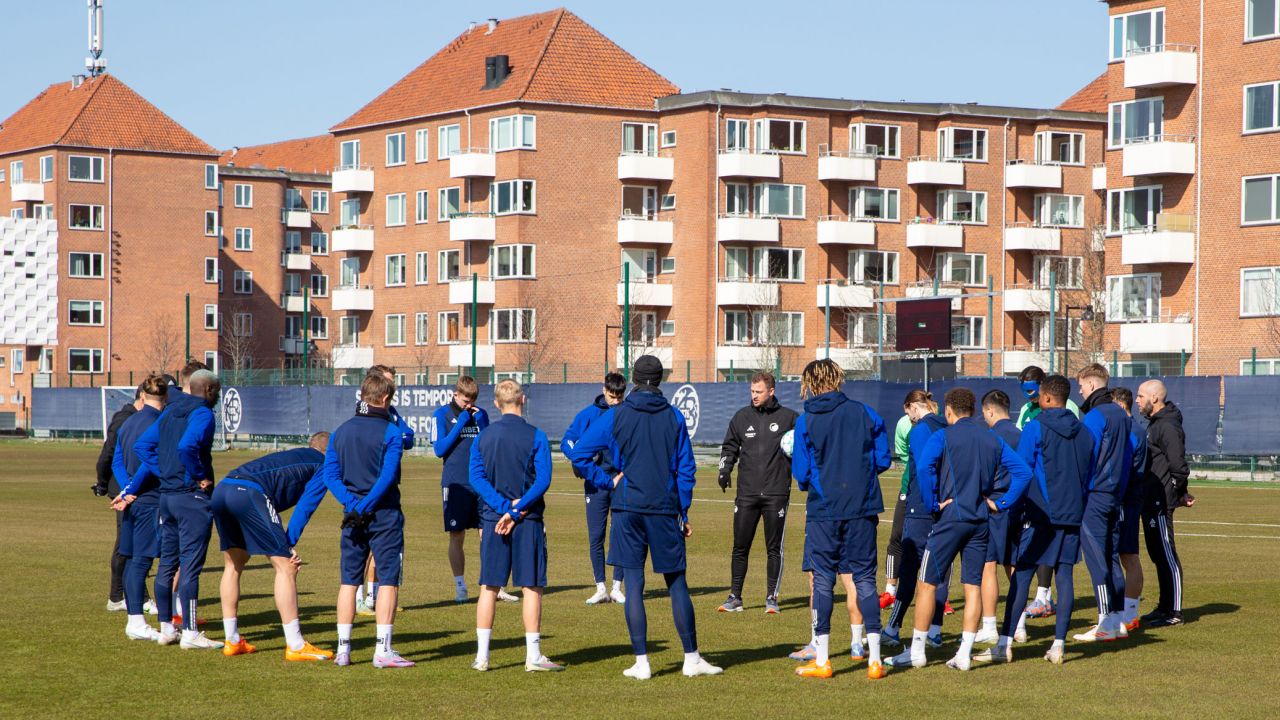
{"points": [[1090, 98], [303, 155], [102, 113], [555, 57]]}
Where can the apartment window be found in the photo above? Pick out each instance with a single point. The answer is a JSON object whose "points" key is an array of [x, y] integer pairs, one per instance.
{"points": [[514, 132], [875, 139], [449, 327], [450, 267], [1134, 31], [244, 239], [292, 327], [46, 168], [1259, 291], [420, 148], [211, 223], [349, 213], [1067, 333], [293, 199], [873, 266], [42, 212], [1133, 298], [668, 138], [963, 268], [962, 206], [319, 327], [449, 141], [421, 263], [1070, 270], [784, 136], [639, 138], [511, 325], [395, 330], [1261, 366], [243, 195], [644, 327], [421, 206], [511, 197], [395, 149], [667, 328], [1, 180], [88, 265], [780, 200], [786, 264], [869, 330], [211, 270], [969, 331], [292, 243], [667, 266], [737, 199], [735, 135], [84, 312], [395, 210], [80, 168], [395, 270], [736, 325], [450, 203], [1059, 148], [348, 330], [737, 263], [641, 264], [1261, 200], [1059, 210], [962, 144], [85, 217], [242, 324], [210, 176], [668, 202], [871, 203], [319, 243], [1262, 19], [511, 261], [219, 281], [1132, 209], [349, 154], [16, 171], [242, 282], [777, 328], [320, 201], [1261, 113], [421, 327], [293, 285], [210, 317], [319, 285], [17, 213], [639, 201], [84, 360], [1135, 121]]}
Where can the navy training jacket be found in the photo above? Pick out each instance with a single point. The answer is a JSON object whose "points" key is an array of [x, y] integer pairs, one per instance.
{"points": [[580, 423], [961, 463], [1060, 452], [916, 440], [124, 459], [511, 460], [1110, 427], [451, 440], [283, 476], [840, 448], [177, 448]]}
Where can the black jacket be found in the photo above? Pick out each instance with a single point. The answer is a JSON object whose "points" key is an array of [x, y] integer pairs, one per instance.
{"points": [[105, 479], [755, 438], [1167, 472]]}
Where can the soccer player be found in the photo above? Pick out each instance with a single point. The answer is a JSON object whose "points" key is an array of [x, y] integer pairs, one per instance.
{"points": [[455, 427], [366, 595], [1059, 451], [1005, 528], [137, 505], [176, 449], [1131, 516], [246, 507], [362, 471], [893, 554], [106, 485], [1100, 527], [647, 440], [510, 472], [957, 473], [839, 451], [597, 499], [857, 627], [1165, 490], [764, 486]]}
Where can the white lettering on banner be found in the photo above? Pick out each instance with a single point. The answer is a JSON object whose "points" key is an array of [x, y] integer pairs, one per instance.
{"points": [[685, 399]]}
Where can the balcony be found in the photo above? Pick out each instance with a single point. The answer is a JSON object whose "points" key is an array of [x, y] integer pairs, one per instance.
{"points": [[465, 227], [1029, 299], [353, 238], [1164, 334], [297, 218], [353, 298], [1160, 66], [297, 261], [1020, 174], [835, 230], [846, 356], [925, 289], [644, 230], [741, 163], [842, 294], [473, 162], [647, 294], [358, 179], [352, 357], [932, 171], [642, 166], [461, 291], [846, 166], [1018, 358], [26, 192], [1160, 155], [747, 357], [295, 303], [1172, 240], [745, 291], [746, 227], [293, 346], [460, 355], [663, 353], [1099, 177], [1029, 236], [935, 234]]}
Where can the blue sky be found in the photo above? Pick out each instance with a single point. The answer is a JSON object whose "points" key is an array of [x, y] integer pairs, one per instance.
{"points": [[244, 72]]}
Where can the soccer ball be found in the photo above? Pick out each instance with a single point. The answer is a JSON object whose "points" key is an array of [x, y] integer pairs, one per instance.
{"points": [[788, 441]]}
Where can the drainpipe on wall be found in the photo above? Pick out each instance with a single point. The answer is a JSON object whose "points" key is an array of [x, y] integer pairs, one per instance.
{"points": [[1004, 256], [1195, 340], [111, 281], [715, 220]]}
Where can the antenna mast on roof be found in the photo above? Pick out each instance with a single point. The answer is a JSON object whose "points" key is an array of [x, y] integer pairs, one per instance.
{"points": [[95, 64]]}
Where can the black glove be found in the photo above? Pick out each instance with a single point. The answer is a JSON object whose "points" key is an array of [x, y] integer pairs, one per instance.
{"points": [[99, 489], [357, 521], [724, 482]]}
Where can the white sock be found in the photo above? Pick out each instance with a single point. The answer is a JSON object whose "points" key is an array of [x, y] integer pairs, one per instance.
{"points": [[136, 622], [293, 635], [1042, 594], [459, 582], [229, 630], [1131, 608], [384, 640], [482, 643], [532, 647], [691, 659], [359, 594], [1059, 644], [820, 649], [1022, 622], [166, 627], [873, 647], [344, 637], [368, 588], [989, 624], [935, 630], [177, 604], [642, 660], [617, 586], [600, 587], [918, 643], [966, 644], [857, 634], [891, 588]]}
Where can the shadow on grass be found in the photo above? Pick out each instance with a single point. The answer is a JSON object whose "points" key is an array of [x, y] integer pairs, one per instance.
{"points": [[461, 648], [604, 653], [746, 656], [1190, 615]]}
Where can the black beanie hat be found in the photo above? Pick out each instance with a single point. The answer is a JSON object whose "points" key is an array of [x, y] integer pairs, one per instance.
{"points": [[647, 371]]}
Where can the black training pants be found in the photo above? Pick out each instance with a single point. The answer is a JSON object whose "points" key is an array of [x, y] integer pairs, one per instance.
{"points": [[118, 561], [747, 512], [893, 555], [1157, 526]]}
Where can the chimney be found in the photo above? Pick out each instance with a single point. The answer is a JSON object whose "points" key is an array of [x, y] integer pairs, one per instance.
{"points": [[471, 26], [493, 25], [496, 70], [76, 81]]}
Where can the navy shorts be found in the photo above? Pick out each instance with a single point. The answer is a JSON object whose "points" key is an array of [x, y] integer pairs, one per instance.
{"points": [[842, 547], [1130, 527], [384, 539], [948, 539], [1004, 531], [634, 535], [461, 508], [247, 520], [520, 555], [139, 536], [1043, 543]]}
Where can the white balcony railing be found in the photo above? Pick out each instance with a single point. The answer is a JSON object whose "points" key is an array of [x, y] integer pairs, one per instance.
{"points": [[935, 234], [354, 298], [472, 162], [352, 357], [1160, 333], [646, 294], [297, 261], [844, 294], [847, 356], [746, 291], [352, 238], [747, 227], [1099, 177], [846, 165], [1159, 155], [646, 166], [925, 288], [461, 292], [27, 192], [465, 227], [1031, 236], [292, 303], [662, 352], [836, 230], [460, 354], [352, 179], [743, 163], [1028, 299], [1171, 240], [1160, 66], [645, 230], [297, 218], [1023, 174], [746, 357], [922, 170]]}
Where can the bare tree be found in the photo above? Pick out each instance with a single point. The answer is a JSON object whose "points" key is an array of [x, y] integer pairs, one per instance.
{"points": [[164, 344], [236, 340]]}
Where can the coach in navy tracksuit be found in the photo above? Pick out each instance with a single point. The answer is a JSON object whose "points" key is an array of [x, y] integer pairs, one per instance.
{"points": [[597, 498], [647, 440], [454, 427], [1110, 427], [177, 450]]}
